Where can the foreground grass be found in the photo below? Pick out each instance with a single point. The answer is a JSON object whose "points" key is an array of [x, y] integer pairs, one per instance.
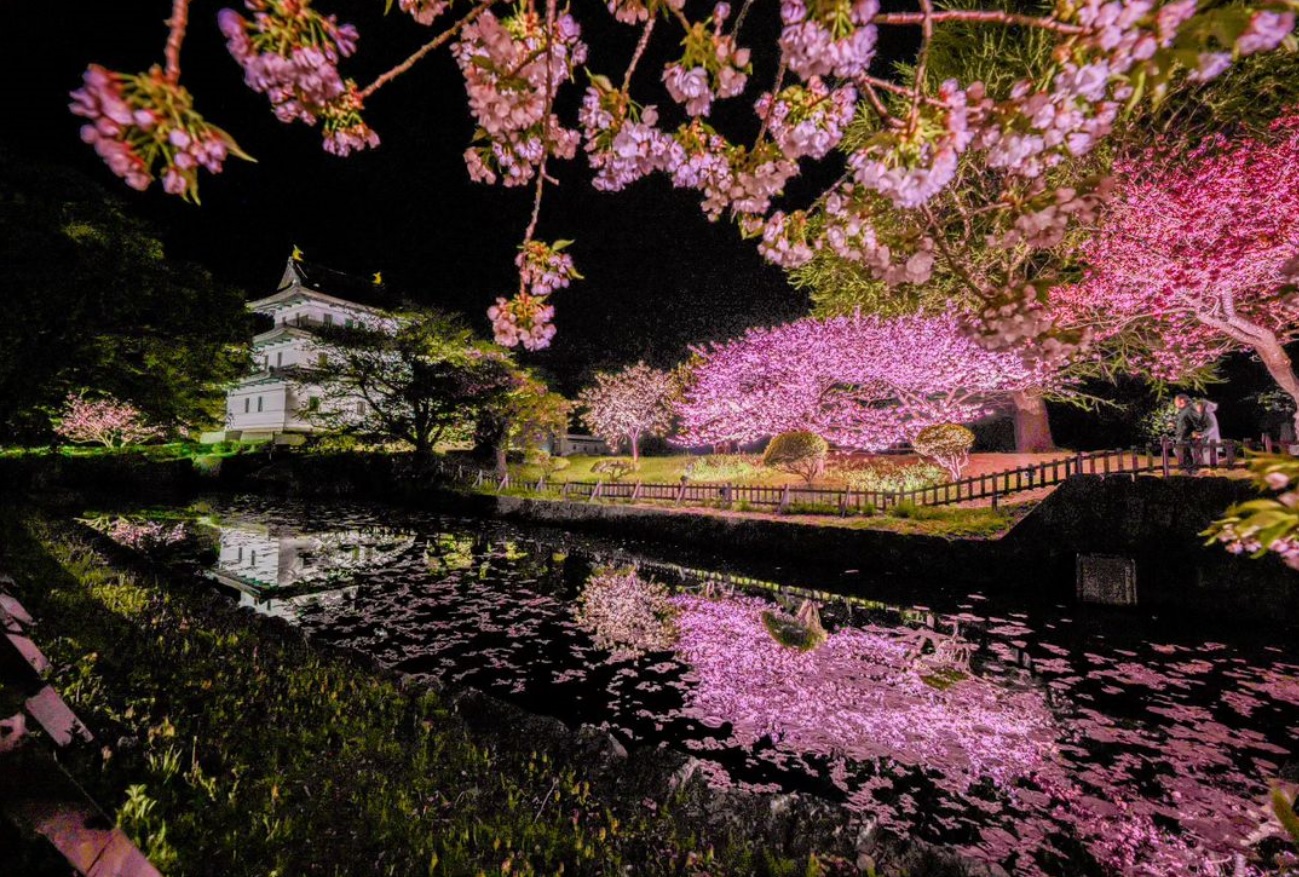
{"points": [[229, 747]]}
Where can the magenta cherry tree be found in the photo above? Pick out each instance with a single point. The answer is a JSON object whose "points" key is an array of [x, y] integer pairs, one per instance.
{"points": [[515, 60], [629, 405], [1200, 253], [862, 382], [106, 421]]}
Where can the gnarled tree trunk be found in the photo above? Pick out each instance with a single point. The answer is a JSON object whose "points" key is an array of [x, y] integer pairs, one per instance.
{"points": [[1032, 426]]}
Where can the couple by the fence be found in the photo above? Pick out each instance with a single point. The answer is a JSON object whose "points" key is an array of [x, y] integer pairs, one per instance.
{"points": [[1195, 431]]}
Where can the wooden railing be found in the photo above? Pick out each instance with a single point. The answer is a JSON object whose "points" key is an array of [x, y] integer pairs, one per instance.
{"points": [[1167, 459]]}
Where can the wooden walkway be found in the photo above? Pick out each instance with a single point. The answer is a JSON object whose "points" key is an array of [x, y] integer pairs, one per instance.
{"points": [[986, 489]]}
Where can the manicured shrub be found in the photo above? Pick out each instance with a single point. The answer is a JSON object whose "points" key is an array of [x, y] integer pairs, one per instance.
{"points": [[615, 469], [889, 476], [799, 453], [947, 444], [723, 467]]}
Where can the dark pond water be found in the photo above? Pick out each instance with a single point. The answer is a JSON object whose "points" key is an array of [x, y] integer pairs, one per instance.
{"points": [[1048, 738]]}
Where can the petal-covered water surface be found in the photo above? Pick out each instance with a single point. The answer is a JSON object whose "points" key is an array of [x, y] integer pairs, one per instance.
{"points": [[1043, 736]]}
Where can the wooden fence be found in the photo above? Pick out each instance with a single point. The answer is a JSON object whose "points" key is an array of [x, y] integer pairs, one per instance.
{"points": [[1167, 459]]}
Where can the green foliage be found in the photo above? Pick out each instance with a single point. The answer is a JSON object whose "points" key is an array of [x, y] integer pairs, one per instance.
{"points": [[723, 467], [1270, 524], [91, 300], [888, 476], [1158, 422], [791, 632], [419, 382], [341, 772], [799, 453]]}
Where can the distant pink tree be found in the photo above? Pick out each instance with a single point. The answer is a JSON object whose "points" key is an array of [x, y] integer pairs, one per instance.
{"points": [[107, 421], [863, 382], [629, 404], [1197, 255]]}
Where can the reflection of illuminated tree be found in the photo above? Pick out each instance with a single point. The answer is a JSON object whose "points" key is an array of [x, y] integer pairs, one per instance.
{"points": [[343, 553], [905, 702], [860, 694], [626, 615]]}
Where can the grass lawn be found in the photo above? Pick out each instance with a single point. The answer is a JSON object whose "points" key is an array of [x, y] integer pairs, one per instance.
{"points": [[668, 470]]}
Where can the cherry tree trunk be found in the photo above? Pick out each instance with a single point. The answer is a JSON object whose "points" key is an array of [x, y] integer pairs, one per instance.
{"points": [[635, 447], [1032, 427], [1279, 366], [502, 463]]}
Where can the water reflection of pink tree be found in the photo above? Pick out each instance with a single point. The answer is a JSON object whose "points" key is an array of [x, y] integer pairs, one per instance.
{"points": [[1002, 763]]}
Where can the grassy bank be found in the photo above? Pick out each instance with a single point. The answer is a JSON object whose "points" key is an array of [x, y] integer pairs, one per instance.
{"points": [[226, 746]]}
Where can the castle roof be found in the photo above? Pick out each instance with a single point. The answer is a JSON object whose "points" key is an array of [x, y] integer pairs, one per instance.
{"points": [[304, 280]]}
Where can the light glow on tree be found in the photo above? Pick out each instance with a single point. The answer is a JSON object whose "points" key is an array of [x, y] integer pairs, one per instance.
{"points": [[106, 421], [863, 382], [629, 405], [1198, 256]]}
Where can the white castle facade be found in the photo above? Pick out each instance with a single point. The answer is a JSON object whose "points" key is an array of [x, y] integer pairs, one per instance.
{"points": [[279, 397]]}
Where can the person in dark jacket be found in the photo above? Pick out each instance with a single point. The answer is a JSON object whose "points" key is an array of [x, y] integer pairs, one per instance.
{"points": [[1188, 428]]}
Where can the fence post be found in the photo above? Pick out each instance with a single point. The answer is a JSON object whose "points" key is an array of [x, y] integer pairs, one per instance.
{"points": [[1231, 453], [1078, 463], [541, 484], [563, 491], [596, 492], [843, 504], [635, 492], [478, 479], [726, 494], [784, 501], [995, 497], [1163, 453], [1267, 443], [681, 493], [503, 483]]}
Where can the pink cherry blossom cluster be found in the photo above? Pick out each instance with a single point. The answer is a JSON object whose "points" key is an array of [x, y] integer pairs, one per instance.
{"points": [[626, 615], [511, 70], [622, 142], [712, 67], [290, 53], [835, 37], [635, 11], [524, 319], [105, 421], [785, 239], [911, 166], [859, 382], [424, 11], [144, 124], [808, 120], [543, 267]]}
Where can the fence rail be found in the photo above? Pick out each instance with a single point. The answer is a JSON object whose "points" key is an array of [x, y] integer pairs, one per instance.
{"points": [[1167, 459]]}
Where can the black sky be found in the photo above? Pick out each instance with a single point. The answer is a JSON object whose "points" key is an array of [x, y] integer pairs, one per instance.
{"points": [[658, 274]]}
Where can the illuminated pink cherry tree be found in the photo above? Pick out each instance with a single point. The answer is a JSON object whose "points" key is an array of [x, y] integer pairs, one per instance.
{"points": [[861, 382], [629, 405], [107, 421], [1199, 255], [515, 61]]}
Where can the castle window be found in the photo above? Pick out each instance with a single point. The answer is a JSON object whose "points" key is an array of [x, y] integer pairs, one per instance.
{"points": [[279, 358], [329, 319], [313, 403], [247, 402], [259, 404]]}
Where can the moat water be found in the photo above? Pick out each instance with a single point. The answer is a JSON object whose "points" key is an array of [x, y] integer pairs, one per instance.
{"points": [[1028, 731]]}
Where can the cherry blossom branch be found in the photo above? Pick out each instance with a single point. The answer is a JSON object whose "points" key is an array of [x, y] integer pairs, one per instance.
{"points": [[739, 19], [926, 37], [636, 56], [175, 36], [775, 90], [979, 15], [545, 136], [431, 45]]}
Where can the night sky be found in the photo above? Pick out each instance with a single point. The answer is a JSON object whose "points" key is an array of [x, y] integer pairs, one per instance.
{"points": [[658, 274]]}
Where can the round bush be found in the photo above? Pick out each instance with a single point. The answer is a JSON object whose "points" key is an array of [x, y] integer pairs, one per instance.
{"points": [[947, 444], [799, 452]]}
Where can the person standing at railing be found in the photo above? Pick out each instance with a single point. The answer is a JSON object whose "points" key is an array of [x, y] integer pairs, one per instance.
{"points": [[1186, 432], [1209, 436]]}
